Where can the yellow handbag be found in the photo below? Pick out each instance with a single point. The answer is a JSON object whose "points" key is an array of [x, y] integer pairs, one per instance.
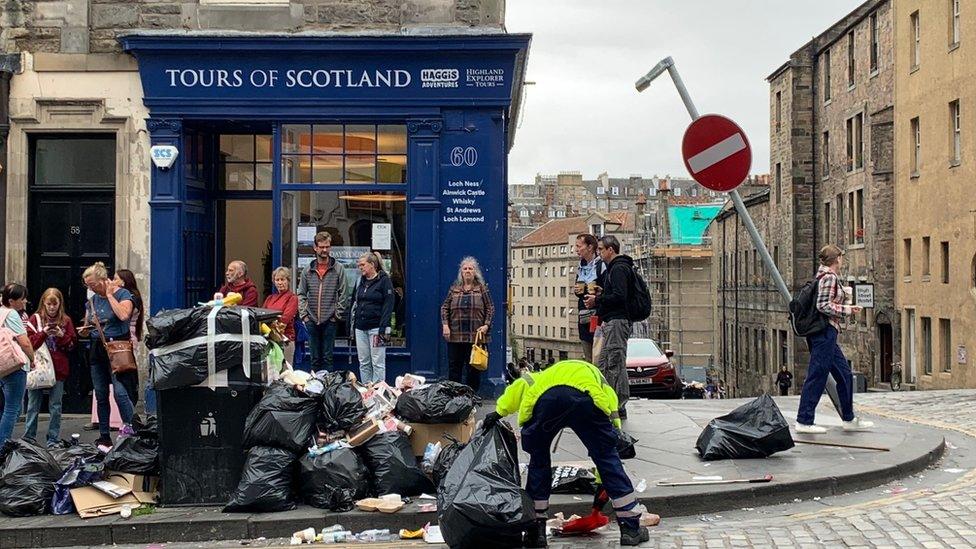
{"points": [[479, 354]]}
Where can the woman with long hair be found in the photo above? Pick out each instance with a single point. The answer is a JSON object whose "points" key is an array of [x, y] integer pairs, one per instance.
{"points": [[50, 326], [125, 278], [13, 301], [112, 307], [466, 314], [372, 309]]}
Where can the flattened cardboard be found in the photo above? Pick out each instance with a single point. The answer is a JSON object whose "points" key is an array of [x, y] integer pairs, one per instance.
{"points": [[92, 502]]}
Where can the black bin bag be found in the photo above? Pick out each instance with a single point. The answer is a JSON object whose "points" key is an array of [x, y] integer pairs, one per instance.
{"points": [[266, 482], [441, 402], [137, 454], [573, 480], [445, 459], [178, 341], [481, 502], [753, 430], [27, 476], [390, 459], [342, 407], [334, 480], [284, 418]]}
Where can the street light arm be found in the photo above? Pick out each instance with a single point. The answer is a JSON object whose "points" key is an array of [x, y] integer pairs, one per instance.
{"points": [[645, 81]]}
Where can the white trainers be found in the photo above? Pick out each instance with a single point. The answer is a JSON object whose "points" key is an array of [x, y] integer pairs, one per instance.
{"points": [[857, 424], [810, 429]]}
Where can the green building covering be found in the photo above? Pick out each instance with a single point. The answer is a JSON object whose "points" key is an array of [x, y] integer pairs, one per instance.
{"points": [[689, 222]]}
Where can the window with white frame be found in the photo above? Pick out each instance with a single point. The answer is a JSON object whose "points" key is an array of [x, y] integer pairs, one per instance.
{"points": [[916, 52], [850, 59], [953, 22], [855, 142], [956, 135], [855, 207], [875, 46], [916, 145]]}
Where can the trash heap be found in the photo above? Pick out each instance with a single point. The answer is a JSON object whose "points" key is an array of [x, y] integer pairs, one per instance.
{"points": [[330, 442], [80, 478]]}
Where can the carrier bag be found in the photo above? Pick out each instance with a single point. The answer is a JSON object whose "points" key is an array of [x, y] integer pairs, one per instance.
{"points": [[753, 430]]}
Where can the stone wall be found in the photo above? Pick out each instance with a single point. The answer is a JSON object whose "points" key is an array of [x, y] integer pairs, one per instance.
{"points": [[91, 26]]}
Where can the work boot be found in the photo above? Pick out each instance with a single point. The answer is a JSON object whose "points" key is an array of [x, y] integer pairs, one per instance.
{"points": [[633, 536], [535, 535]]}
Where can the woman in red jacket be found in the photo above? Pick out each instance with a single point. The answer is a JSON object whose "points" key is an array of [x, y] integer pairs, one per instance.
{"points": [[52, 327], [286, 302]]}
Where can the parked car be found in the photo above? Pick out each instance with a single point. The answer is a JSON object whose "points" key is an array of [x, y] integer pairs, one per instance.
{"points": [[649, 370]]}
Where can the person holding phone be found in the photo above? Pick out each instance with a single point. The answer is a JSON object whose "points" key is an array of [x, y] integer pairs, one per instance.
{"points": [[826, 356], [372, 307], [50, 326]]}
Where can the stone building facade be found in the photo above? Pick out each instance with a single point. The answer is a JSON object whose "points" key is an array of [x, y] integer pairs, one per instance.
{"points": [[935, 165], [830, 182]]}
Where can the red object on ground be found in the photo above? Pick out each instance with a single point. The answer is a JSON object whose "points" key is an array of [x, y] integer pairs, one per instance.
{"points": [[582, 525]]}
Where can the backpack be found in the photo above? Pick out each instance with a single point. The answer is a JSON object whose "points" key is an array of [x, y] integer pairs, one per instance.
{"points": [[639, 304], [805, 319], [12, 357]]}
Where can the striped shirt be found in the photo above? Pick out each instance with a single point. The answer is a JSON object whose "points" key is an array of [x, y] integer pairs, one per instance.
{"points": [[831, 297]]}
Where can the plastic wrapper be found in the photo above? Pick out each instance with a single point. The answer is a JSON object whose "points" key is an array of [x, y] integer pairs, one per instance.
{"points": [[441, 402], [266, 482], [334, 480], [77, 475], [389, 457], [481, 502], [342, 407], [573, 480], [753, 430], [445, 459], [27, 476], [284, 418], [66, 453], [183, 367], [137, 454]]}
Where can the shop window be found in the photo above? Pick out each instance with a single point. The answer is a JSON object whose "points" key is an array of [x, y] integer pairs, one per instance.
{"points": [[359, 222], [244, 162], [84, 161], [343, 154]]}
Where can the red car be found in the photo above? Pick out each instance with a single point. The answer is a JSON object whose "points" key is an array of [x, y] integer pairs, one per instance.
{"points": [[650, 372]]}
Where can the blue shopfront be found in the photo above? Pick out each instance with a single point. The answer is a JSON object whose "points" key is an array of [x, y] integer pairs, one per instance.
{"points": [[391, 144]]}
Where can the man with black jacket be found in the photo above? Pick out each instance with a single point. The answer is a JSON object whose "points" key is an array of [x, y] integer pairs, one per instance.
{"points": [[611, 307]]}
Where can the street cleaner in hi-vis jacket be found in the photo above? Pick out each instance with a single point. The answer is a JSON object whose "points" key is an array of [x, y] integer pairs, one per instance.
{"points": [[574, 394]]}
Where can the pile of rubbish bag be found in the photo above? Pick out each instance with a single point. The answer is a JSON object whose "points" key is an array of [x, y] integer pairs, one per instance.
{"points": [[328, 441], [754, 430]]}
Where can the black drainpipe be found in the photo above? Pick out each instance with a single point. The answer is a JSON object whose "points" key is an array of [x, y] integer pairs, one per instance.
{"points": [[9, 64]]}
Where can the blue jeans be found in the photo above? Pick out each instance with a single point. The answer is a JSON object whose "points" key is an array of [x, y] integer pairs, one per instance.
{"points": [[321, 342], [563, 406], [372, 360], [826, 358], [102, 376], [13, 386], [34, 398]]}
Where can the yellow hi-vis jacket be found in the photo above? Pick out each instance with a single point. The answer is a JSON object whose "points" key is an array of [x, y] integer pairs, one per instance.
{"points": [[522, 395]]}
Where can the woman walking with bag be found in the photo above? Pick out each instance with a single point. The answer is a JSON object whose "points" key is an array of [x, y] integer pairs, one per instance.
{"points": [[13, 371], [372, 307], [465, 317], [52, 329], [125, 278], [107, 323]]}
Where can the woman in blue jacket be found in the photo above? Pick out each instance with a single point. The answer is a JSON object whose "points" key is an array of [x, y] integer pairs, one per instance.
{"points": [[372, 307]]}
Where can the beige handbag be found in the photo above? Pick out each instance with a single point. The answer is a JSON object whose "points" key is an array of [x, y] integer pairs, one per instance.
{"points": [[479, 354]]}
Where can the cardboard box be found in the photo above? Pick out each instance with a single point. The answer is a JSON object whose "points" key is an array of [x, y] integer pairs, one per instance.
{"points": [[92, 502], [424, 433]]}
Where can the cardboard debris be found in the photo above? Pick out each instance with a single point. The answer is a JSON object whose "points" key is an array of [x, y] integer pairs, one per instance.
{"points": [[424, 433], [94, 502]]}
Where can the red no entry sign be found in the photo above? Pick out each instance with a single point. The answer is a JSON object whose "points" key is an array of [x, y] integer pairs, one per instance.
{"points": [[716, 152]]}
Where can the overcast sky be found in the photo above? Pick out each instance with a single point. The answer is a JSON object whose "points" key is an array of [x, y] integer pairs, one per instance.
{"points": [[583, 112]]}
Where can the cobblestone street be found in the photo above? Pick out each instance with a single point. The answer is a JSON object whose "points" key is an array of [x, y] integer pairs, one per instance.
{"points": [[931, 510]]}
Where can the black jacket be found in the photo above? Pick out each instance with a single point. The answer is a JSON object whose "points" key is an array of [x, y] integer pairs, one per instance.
{"points": [[372, 303], [612, 303]]}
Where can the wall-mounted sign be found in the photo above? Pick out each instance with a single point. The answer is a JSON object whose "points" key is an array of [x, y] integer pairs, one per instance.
{"points": [[864, 295], [163, 156]]}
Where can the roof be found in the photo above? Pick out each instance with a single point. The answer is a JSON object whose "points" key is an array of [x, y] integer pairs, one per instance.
{"points": [[688, 223], [557, 231]]}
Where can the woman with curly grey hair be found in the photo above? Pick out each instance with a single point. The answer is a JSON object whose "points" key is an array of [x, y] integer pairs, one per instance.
{"points": [[467, 311]]}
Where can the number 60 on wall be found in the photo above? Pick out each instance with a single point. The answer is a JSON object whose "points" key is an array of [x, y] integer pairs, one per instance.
{"points": [[461, 156]]}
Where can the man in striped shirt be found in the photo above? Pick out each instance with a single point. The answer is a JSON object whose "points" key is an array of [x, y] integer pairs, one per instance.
{"points": [[826, 356]]}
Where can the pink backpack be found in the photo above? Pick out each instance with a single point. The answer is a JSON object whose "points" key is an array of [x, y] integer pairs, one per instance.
{"points": [[12, 357]]}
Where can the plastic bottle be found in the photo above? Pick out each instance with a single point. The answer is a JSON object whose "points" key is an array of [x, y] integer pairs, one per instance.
{"points": [[375, 535]]}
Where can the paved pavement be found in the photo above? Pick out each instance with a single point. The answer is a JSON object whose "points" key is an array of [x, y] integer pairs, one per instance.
{"points": [[907, 514]]}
